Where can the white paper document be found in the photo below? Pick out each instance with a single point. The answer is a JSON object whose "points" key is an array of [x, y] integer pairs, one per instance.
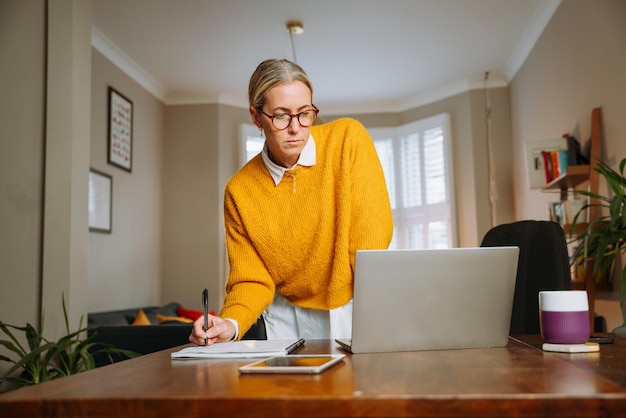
{"points": [[240, 349]]}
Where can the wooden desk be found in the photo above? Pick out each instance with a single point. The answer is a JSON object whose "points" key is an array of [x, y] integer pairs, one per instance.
{"points": [[519, 380]]}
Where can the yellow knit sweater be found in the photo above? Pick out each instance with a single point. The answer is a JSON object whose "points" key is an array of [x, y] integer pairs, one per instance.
{"points": [[298, 238]]}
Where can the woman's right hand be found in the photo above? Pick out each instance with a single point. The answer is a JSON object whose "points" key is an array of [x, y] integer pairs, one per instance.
{"points": [[219, 331]]}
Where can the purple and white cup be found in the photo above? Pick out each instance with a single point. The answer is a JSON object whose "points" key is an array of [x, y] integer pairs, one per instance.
{"points": [[564, 316]]}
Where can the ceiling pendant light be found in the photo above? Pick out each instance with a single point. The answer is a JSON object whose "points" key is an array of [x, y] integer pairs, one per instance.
{"points": [[294, 27]]}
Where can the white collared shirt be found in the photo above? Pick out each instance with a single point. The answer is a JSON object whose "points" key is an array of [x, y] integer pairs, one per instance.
{"points": [[307, 159]]}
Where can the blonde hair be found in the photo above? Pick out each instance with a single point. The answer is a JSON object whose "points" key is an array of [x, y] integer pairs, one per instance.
{"points": [[271, 72]]}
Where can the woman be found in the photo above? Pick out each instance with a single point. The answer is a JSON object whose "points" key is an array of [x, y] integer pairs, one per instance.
{"points": [[296, 214]]}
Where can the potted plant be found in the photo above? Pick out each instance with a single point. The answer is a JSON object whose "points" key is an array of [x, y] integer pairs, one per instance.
{"points": [[604, 238], [42, 360]]}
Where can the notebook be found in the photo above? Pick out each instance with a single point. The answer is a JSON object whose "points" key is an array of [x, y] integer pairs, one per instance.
{"points": [[408, 300], [240, 349]]}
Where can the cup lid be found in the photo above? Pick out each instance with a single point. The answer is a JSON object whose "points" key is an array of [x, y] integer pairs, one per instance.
{"points": [[563, 300]]}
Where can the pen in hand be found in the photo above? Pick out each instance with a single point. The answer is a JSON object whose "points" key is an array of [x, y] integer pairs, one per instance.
{"points": [[205, 309]]}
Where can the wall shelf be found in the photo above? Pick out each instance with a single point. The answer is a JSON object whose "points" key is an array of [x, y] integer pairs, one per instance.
{"points": [[575, 176]]}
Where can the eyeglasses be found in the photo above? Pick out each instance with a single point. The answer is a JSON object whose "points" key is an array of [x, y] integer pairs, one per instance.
{"points": [[282, 121]]}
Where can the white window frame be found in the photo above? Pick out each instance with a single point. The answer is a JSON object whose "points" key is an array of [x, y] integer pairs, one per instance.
{"points": [[425, 214]]}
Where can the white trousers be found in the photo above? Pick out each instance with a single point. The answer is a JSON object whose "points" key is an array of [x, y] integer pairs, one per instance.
{"points": [[285, 321]]}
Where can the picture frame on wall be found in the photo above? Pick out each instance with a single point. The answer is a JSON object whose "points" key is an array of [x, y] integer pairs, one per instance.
{"points": [[100, 201], [120, 130]]}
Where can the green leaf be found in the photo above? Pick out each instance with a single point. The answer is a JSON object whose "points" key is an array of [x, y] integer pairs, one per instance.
{"points": [[47, 360], [5, 358], [67, 323], [7, 331], [12, 347], [31, 362], [32, 337], [615, 181], [604, 238]]}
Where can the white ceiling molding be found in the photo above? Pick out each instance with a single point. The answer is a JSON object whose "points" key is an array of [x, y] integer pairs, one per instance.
{"points": [[534, 30], [111, 51]]}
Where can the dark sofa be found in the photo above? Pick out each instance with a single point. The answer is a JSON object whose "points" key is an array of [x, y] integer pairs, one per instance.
{"points": [[114, 327]]}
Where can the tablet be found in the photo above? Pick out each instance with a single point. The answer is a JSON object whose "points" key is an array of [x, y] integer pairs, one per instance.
{"points": [[299, 363]]}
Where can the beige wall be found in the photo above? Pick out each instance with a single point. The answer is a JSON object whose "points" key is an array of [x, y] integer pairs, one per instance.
{"points": [[44, 152], [65, 238], [201, 154], [190, 205], [578, 63], [125, 265], [22, 117], [45, 146]]}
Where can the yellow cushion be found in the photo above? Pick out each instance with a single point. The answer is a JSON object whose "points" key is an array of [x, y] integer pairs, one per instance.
{"points": [[164, 318], [141, 318]]}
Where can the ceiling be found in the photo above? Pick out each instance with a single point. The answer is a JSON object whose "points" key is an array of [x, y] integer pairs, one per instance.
{"points": [[362, 55]]}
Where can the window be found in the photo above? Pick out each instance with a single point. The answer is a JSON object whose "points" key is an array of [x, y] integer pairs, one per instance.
{"points": [[251, 142], [417, 163], [418, 171]]}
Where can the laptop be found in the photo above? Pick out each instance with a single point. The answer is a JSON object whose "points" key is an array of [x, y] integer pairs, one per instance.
{"points": [[409, 300]]}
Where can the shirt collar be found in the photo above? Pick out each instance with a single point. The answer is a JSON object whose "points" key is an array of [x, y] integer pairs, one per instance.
{"points": [[307, 159]]}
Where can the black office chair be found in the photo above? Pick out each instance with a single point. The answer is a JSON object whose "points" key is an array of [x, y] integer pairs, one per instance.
{"points": [[543, 265], [256, 331]]}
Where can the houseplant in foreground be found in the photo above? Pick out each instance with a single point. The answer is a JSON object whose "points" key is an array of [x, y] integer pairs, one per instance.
{"points": [[604, 239], [42, 360]]}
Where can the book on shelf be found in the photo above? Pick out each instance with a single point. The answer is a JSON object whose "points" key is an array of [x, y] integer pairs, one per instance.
{"points": [[563, 160], [564, 211], [556, 160], [555, 163], [547, 166], [554, 155]]}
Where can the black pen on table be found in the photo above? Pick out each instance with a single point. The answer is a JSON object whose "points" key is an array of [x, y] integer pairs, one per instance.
{"points": [[205, 311]]}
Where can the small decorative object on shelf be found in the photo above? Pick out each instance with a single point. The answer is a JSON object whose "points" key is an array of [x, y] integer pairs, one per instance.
{"points": [[563, 211]]}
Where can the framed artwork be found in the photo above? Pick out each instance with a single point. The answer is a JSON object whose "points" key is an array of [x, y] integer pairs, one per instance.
{"points": [[120, 130], [100, 201], [534, 159]]}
